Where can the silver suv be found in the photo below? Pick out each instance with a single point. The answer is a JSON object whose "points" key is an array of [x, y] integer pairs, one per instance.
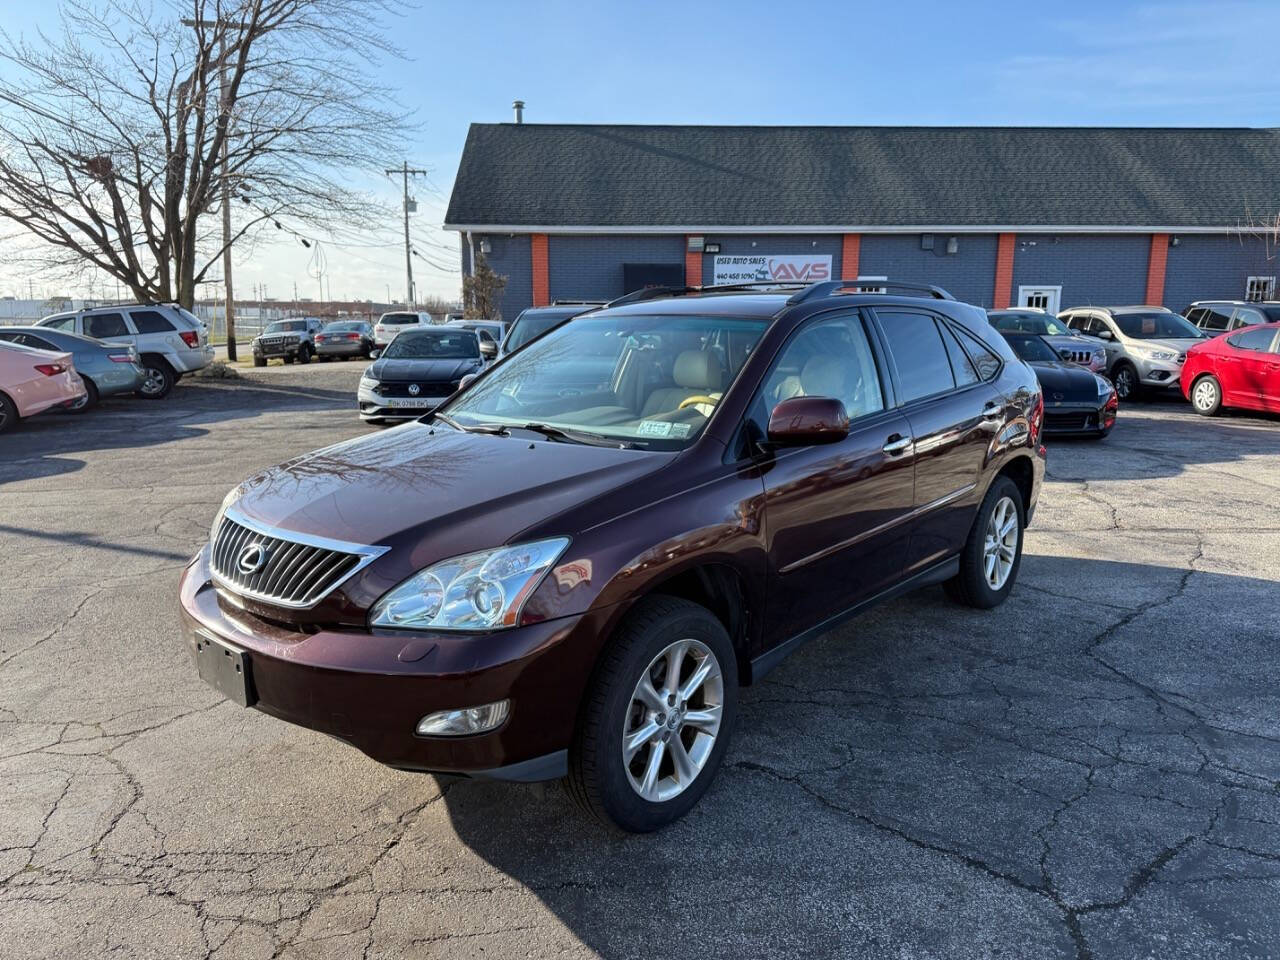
{"points": [[1146, 346], [169, 340]]}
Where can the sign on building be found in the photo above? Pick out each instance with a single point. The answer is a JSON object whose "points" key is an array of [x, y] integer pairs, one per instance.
{"points": [[805, 268]]}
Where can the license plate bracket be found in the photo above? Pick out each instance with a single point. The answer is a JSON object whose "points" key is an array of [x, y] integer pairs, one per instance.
{"points": [[225, 668]]}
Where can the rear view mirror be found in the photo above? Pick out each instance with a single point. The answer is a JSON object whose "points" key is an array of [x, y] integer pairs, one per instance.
{"points": [[803, 421]]}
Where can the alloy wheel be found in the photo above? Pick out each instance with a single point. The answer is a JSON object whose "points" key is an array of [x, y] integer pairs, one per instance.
{"points": [[1124, 383], [154, 382], [1000, 546], [1205, 394], [673, 720]]}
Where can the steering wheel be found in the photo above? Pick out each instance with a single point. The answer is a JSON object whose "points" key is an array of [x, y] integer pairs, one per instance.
{"points": [[693, 401]]}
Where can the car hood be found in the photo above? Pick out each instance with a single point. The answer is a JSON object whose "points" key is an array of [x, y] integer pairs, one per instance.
{"points": [[1177, 345], [443, 369], [1073, 382], [435, 492], [1069, 338]]}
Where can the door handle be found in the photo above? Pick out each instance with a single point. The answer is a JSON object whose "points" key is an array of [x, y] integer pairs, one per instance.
{"points": [[896, 444], [992, 411]]}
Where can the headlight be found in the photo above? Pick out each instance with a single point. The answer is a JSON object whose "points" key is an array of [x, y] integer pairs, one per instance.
{"points": [[368, 383], [1104, 385], [480, 591], [227, 501], [1152, 354]]}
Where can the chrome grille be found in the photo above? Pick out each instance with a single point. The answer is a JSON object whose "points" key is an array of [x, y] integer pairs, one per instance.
{"points": [[296, 572]]}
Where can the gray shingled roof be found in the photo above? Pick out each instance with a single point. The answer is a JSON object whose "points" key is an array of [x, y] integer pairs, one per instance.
{"points": [[578, 175]]}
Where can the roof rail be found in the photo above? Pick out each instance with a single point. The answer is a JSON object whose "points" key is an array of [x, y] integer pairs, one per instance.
{"points": [[655, 293], [578, 303], [828, 287]]}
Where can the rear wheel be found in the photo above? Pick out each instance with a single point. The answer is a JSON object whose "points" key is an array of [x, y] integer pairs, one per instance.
{"points": [[160, 378], [90, 399], [657, 717], [992, 555], [1125, 378], [8, 413], [1206, 395]]}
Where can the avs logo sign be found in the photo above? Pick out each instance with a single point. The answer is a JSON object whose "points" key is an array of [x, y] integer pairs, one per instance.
{"points": [[761, 268]]}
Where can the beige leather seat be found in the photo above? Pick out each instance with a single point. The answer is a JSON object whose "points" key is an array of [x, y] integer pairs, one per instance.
{"points": [[696, 373]]}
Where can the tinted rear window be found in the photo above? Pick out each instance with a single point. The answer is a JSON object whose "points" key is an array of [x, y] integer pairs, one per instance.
{"points": [[149, 321], [400, 319], [105, 325], [918, 353]]}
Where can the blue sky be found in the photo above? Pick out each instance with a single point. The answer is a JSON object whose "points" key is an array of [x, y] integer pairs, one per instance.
{"points": [[748, 62]]}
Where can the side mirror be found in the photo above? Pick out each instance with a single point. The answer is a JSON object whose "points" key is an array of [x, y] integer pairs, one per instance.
{"points": [[466, 381], [804, 421], [1104, 334], [488, 349]]}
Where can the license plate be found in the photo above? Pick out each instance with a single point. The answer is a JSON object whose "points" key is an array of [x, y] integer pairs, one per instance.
{"points": [[414, 402], [225, 668]]}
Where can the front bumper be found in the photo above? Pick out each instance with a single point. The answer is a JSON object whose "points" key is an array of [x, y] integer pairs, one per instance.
{"points": [[373, 406], [1158, 373], [1079, 419], [274, 352], [370, 688]]}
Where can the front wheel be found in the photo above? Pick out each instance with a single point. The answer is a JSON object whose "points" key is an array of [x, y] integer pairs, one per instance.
{"points": [[657, 717], [259, 361], [992, 555], [1206, 396], [1126, 381], [304, 354]]}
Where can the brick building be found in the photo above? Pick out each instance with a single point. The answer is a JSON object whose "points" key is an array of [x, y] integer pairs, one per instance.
{"points": [[1053, 217]]}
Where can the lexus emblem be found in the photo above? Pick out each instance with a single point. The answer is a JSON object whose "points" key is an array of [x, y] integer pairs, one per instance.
{"points": [[252, 559], [414, 389], [1058, 396]]}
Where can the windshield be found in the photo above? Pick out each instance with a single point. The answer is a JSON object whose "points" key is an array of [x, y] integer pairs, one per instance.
{"points": [[530, 325], [1156, 326], [286, 326], [433, 345], [1030, 323], [649, 380], [399, 319], [1032, 349]]}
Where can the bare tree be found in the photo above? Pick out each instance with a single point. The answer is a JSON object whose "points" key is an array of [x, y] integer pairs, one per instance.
{"points": [[118, 134], [482, 291]]}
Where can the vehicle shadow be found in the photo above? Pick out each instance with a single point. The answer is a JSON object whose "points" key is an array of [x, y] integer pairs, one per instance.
{"points": [[931, 780]]}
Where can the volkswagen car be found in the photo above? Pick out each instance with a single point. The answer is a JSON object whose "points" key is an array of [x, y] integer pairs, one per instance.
{"points": [[417, 371], [529, 584]]}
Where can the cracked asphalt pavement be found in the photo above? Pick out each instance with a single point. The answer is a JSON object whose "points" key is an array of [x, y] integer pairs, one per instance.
{"points": [[1092, 770]]}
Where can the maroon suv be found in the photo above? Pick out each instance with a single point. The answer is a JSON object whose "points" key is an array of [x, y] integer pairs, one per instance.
{"points": [[569, 568]]}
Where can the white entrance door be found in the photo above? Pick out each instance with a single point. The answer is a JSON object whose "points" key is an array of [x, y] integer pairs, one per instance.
{"points": [[1041, 298]]}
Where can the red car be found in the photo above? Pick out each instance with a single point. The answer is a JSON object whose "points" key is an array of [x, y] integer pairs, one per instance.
{"points": [[1237, 369]]}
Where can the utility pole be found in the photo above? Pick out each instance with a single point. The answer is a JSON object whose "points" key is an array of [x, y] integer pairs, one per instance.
{"points": [[224, 105], [410, 206]]}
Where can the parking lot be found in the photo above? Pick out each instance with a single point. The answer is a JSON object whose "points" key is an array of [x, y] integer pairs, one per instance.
{"points": [[1092, 770]]}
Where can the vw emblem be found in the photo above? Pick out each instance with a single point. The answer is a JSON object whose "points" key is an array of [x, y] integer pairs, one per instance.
{"points": [[414, 389], [252, 559]]}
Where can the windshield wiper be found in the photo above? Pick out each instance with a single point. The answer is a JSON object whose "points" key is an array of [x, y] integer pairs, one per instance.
{"points": [[494, 428], [575, 436]]}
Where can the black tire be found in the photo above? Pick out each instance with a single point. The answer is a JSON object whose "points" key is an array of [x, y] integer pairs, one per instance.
{"points": [[90, 399], [598, 780], [160, 378], [259, 361], [1125, 379], [1206, 395], [304, 354], [970, 586], [286, 359], [8, 414]]}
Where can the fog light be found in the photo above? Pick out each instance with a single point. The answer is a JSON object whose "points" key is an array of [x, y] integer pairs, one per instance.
{"points": [[462, 723]]}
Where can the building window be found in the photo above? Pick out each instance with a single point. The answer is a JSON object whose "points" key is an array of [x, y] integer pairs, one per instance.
{"points": [[1259, 288]]}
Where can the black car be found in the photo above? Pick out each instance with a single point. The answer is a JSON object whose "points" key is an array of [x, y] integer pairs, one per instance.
{"points": [[289, 340], [1076, 401], [345, 338], [417, 371], [535, 321]]}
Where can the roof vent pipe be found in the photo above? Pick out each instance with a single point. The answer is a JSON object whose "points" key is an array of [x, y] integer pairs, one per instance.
{"points": [[518, 107]]}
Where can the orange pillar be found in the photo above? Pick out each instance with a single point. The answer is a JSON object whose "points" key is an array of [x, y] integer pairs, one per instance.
{"points": [[541, 272], [1156, 267], [1003, 293], [850, 250], [692, 266]]}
